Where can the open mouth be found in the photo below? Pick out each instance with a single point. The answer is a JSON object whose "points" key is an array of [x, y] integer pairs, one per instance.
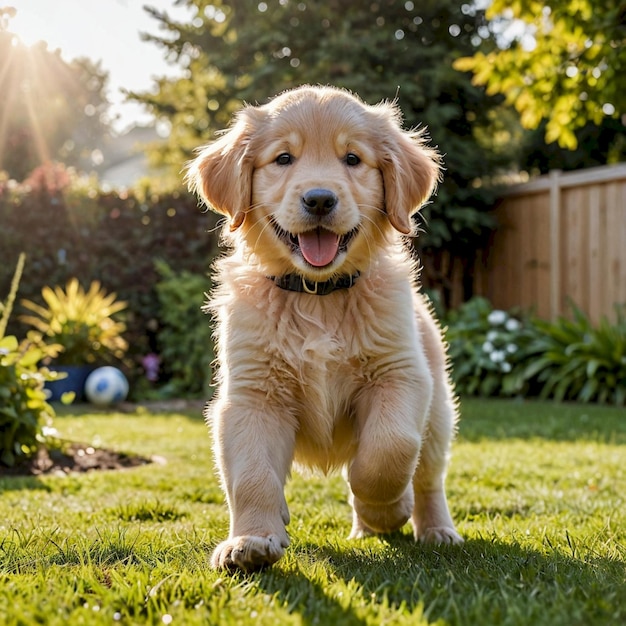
{"points": [[319, 247]]}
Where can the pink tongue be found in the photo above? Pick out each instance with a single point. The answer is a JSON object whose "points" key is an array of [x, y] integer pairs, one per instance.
{"points": [[319, 247]]}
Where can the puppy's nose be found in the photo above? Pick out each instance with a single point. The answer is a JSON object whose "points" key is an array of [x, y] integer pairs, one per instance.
{"points": [[319, 201]]}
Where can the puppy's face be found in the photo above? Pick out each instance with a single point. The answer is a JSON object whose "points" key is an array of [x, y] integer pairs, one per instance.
{"points": [[315, 181], [317, 191]]}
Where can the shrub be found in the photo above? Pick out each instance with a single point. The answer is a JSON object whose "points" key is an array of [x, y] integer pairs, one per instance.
{"points": [[570, 359], [184, 337], [69, 227], [23, 407], [487, 349], [80, 323], [495, 353]]}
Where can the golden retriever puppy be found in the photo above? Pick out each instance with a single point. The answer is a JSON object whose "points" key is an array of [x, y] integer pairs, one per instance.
{"points": [[328, 356]]}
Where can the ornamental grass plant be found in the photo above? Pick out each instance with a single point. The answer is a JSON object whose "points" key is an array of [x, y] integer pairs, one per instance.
{"points": [[79, 322], [572, 359]]}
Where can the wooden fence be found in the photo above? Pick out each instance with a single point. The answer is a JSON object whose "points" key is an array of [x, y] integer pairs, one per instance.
{"points": [[561, 238]]}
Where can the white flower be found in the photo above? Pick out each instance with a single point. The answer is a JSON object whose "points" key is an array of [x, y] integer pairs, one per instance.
{"points": [[488, 347], [492, 335], [505, 367], [497, 317], [50, 431], [512, 325], [497, 356], [511, 348]]}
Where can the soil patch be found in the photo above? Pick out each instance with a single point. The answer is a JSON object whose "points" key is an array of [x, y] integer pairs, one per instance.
{"points": [[80, 457], [75, 457]]}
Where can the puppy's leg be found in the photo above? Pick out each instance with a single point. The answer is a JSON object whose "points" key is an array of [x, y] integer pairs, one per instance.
{"points": [[254, 451], [431, 518], [389, 444]]}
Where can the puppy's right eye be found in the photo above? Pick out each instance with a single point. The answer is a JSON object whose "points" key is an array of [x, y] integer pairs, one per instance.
{"points": [[284, 159]]}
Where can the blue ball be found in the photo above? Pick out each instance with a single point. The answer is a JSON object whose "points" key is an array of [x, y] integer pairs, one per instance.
{"points": [[106, 385]]}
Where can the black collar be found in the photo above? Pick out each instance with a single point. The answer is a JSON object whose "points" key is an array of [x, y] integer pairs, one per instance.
{"points": [[295, 282]]}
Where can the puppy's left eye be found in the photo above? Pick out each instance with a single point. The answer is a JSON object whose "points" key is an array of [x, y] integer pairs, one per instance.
{"points": [[352, 159], [284, 159]]}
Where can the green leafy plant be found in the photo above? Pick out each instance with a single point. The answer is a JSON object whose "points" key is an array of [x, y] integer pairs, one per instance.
{"points": [[495, 353], [79, 322], [571, 359], [487, 348], [184, 338], [23, 407]]}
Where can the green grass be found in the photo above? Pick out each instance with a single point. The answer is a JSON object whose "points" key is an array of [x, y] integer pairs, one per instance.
{"points": [[537, 489]]}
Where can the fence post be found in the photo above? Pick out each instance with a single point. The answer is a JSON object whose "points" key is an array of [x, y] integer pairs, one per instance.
{"points": [[555, 243]]}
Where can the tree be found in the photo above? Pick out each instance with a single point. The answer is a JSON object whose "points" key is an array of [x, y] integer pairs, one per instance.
{"points": [[595, 145], [49, 109], [568, 67], [245, 50]]}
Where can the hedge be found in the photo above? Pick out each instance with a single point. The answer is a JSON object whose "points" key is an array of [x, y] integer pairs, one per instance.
{"points": [[68, 227]]}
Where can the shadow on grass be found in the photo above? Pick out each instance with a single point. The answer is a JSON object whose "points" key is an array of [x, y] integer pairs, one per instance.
{"points": [[480, 582], [300, 594], [19, 483]]}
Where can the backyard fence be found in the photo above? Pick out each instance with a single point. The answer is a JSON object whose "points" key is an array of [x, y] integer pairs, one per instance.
{"points": [[560, 238]]}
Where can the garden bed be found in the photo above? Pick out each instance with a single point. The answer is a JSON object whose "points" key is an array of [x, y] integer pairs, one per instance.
{"points": [[75, 457]]}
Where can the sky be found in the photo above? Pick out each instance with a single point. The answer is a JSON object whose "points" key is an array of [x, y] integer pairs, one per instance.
{"points": [[105, 30]]}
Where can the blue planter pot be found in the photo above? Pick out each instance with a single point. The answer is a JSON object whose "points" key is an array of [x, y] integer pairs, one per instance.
{"points": [[74, 381]]}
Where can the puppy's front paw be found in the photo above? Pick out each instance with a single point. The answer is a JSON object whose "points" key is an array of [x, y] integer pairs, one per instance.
{"points": [[248, 553], [440, 535]]}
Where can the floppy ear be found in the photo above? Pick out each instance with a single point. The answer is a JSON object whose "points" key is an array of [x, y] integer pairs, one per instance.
{"points": [[221, 174], [410, 172]]}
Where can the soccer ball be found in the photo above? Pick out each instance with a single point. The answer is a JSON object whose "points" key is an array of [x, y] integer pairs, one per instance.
{"points": [[106, 385]]}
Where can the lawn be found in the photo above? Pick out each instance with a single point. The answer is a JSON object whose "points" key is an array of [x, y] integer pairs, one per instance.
{"points": [[537, 489]]}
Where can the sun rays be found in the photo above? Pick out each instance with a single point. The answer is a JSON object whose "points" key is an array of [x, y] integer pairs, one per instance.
{"points": [[23, 113], [42, 98]]}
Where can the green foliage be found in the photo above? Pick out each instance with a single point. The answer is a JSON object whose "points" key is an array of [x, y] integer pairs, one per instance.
{"points": [[494, 353], [596, 145], [242, 50], [570, 75], [23, 406], [572, 359], [487, 349], [184, 337], [80, 323]]}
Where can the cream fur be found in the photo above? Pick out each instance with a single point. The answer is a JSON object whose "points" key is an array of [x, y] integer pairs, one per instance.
{"points": [[356, 379]]}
